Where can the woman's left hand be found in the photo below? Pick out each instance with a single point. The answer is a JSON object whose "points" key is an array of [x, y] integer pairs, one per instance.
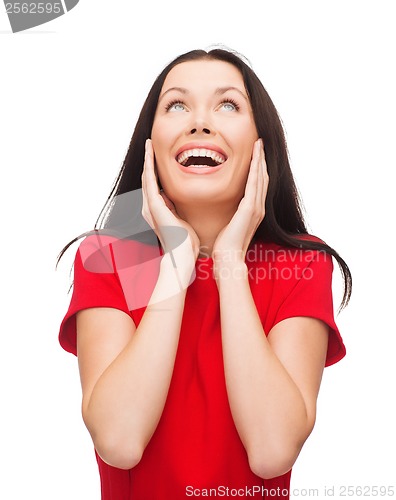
{"points": [[233, 241]]}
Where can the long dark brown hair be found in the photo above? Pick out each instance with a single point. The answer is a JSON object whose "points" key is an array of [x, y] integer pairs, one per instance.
{"points": [[283, 222]]}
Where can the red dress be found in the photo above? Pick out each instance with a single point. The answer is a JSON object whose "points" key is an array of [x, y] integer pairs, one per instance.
{"points": [[196, 449]]}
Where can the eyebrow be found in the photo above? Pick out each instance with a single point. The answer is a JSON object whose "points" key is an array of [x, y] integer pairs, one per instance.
{"points": [[218, 91]]}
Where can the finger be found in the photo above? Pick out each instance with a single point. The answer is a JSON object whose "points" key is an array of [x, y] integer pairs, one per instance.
{"points": [[159, 212], [262, 168], [152, 188], [146, 211], [260, 177], [265, 176], [251, 182], [253, 170], [145, 168], [155, 202]]}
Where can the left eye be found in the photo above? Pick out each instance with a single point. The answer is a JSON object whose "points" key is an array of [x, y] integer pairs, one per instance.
{"points": [[175, 106], [229, 106]]}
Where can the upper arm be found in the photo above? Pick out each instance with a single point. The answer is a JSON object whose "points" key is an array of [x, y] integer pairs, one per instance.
{"points": [[102, 333], [300, 343]]}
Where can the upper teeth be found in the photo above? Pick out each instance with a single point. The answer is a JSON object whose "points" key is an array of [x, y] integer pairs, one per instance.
{"points": [[200, 152]]}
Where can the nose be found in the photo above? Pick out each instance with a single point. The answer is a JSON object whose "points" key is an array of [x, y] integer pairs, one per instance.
{"points": [[200, 124]]}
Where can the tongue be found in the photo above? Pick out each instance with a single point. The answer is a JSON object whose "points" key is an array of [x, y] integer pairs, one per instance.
{"points": [[200, 160]]}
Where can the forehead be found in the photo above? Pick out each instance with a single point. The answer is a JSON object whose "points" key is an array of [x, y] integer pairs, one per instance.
{"points": [[204, 75]]}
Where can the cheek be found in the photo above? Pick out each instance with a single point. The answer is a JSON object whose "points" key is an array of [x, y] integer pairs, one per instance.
{"points": [[163, 169], [166, 128], [245, 157], [242, 135], [156, 138], [159, 132], [159, 153], [163, 140]]}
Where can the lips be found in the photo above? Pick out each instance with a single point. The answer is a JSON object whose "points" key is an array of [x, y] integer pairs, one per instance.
{"points": [[200, 155]]}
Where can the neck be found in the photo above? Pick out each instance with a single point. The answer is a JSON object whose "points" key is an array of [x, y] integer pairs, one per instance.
{"points": [[207, 222]]}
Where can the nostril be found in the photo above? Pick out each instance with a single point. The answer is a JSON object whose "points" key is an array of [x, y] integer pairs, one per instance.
{"points": [[204, 130]]}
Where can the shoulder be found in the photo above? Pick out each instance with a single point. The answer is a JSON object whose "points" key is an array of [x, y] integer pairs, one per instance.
{"points": [[283, 268], [95, 253], [105, 253], [281, 255]]}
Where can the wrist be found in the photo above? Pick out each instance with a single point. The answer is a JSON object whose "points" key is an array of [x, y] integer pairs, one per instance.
{"points": [[176, 272], [227, 272]]}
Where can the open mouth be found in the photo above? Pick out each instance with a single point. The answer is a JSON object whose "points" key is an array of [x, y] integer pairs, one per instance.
{"points": [[200, 158]]}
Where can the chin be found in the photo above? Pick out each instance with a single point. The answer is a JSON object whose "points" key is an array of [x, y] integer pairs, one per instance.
{"points": [[203, 194]]}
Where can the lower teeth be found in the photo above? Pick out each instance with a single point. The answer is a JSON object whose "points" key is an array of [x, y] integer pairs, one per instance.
{"points": [[199, 166]]}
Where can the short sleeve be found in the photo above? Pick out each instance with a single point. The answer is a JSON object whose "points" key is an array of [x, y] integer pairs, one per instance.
{"points": [[311, 295], [96, 284]]}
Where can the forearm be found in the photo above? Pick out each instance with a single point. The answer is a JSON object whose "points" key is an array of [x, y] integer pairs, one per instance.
{"points": [[126, 403], [267, 406]]}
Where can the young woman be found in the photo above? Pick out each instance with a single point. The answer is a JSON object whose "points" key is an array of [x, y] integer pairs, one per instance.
{"points": [[201, 356]]}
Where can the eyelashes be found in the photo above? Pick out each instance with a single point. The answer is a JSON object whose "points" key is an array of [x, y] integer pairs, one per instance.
{"points": [[231, 101], [174, 103], [178, 102]]}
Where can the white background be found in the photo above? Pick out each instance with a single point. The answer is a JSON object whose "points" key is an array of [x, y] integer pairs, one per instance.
{"points": [[70, 93]]}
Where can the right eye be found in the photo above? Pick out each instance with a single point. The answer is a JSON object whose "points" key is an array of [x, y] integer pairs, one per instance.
{"points": [[176, 106]]}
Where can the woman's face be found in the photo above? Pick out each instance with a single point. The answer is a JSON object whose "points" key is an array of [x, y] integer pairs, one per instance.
{"points": [[203, 133]]}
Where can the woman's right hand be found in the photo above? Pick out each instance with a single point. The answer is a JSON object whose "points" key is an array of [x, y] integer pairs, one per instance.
{"points": [[122, 400], [160, 213]]}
